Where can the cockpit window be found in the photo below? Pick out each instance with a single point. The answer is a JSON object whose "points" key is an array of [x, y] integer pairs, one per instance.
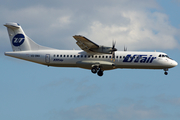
{"points": [[161, 55], [167, 56]]}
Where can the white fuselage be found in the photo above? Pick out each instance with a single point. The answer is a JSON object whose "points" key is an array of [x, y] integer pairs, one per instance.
{"points": [[76, 58], [94, 57]]}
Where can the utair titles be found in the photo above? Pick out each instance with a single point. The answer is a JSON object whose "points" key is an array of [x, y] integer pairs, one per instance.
{"points": [[139, 58]]}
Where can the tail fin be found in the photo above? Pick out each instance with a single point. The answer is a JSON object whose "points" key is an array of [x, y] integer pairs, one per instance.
{"points": [[19, 40]]}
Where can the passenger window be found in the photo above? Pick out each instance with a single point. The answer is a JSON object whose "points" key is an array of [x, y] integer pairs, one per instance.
{"points": [[120, 57], [64, 55], [95, 56], [74, 55], [116, 56], [160, 55], [85, 56], [92, 56], [70, 55], [67, 55], [106, 56], [37, 55], [123, 56], [60, 55], [81, 55], [88, 56], [102, 56], [99, 56], [77, 55], [109, 56], [54, 55]]}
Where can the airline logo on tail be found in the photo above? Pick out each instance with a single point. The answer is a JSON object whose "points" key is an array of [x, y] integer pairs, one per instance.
{"points": [[18, 40]]}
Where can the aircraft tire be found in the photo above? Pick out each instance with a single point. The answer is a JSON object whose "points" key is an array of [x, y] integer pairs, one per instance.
{"points": [[100, 73], [94, 70], [166, 73]]}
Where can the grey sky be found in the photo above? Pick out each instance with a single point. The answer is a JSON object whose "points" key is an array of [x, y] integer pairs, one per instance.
{"points": [[135, 24]]}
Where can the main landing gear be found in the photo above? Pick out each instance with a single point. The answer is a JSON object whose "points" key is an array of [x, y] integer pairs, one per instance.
{"points": [[165, 71], [97, 70]]}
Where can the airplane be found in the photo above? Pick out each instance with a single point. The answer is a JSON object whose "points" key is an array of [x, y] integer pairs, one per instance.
{"points": [[92, 56]]}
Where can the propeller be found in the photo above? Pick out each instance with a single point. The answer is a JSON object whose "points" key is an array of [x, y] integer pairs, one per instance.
{"points": [[113, 47], [113, 50]]}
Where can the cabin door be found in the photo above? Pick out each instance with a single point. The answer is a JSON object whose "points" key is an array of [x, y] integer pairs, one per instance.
{"points": [[47, 58]]}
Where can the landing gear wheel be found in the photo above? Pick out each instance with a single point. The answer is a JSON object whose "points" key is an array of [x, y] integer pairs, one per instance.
{"points": [[100, 73], [94, 70], [166, 73]]}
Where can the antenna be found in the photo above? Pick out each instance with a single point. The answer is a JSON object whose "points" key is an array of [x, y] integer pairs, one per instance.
{"points": [[125, 48]]}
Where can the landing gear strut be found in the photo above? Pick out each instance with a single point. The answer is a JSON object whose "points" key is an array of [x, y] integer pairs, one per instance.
{"points": [[166, 73]]}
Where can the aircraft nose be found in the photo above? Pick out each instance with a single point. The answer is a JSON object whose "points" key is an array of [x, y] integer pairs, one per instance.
{"points": [[174, 63]]}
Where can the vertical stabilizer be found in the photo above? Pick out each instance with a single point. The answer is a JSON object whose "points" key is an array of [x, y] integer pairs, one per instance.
{"points": [[19, 40]]}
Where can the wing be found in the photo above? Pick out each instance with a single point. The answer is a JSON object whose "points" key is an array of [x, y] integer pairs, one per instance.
{"points": [[85, 44]]}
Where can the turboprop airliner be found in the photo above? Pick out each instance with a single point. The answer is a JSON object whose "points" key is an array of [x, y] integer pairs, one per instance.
{"points": [[92, 56]]}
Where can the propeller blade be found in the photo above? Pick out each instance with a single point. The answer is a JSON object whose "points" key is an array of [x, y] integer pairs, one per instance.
{"points": [[113, 46], [114, 43]]}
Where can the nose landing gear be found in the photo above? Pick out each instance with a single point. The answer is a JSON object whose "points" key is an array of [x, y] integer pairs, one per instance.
{"points": [[166, 73]]}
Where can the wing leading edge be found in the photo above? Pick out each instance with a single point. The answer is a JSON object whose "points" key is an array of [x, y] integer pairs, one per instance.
{"points": [[85, 44], [89, 46]]}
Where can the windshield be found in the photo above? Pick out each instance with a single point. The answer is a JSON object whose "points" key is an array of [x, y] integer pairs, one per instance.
{"points": [[167, 56], [163, 55]]}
